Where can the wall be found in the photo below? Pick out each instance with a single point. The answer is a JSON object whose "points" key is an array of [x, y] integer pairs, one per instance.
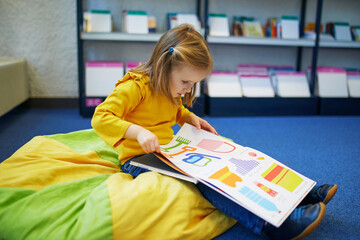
{"points": [[44, 33]]}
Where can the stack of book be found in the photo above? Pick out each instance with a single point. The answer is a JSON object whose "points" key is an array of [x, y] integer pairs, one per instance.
{"points": [[339, 30], [255, 81], [272, 27], [247, 27]]}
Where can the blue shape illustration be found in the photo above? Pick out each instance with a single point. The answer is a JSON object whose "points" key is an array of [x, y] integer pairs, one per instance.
{"points": [[263, 202], [198, 159], [244, 166]]}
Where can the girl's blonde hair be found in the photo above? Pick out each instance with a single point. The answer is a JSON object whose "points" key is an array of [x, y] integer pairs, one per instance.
{"points": [[180, 45]]}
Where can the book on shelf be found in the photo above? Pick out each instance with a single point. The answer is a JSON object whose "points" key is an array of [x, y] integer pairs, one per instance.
{"points": [[152, 24], [323, 36], [176, 19], [247, 27], [223, 84], [311, 27], [250, 178], [355, 31], [97, 21], [236, 27], [292, 84], [353, 79], [256, 85], [339, 30], [135, 22], [252, 28], [101, 77], [271, 27], [331, 82], [290, 27], [218, 25]]}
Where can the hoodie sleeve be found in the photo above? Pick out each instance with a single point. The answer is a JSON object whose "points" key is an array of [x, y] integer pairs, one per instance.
{"points": [[108, 119]]}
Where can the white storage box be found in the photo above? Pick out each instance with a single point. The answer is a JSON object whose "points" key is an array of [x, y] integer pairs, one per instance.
{"points": [[97, 21], [353, 79], [332, 82], [292, 84], [223, 84], [256, 85], [101, 77]]}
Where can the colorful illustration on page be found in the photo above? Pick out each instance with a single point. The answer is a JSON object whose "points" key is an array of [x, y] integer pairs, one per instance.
{"points": [[283, 177]]}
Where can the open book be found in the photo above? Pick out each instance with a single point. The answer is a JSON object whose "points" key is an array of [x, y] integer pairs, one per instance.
{"points": [[247, 176]]}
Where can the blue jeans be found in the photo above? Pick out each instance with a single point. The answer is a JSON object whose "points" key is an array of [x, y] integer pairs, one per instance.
{"points": [[227, 206]]}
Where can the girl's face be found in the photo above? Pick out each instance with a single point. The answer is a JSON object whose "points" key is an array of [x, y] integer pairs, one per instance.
{"points": [[183, 78]]}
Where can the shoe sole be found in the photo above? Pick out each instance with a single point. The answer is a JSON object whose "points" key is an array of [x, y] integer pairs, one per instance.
{"points": [[314, 225], [330, 194]]}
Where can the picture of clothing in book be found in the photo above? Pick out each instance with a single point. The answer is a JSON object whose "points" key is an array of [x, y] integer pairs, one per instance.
{"points": [[227, 177], [244, 166], [180, 140], [263, 202], [266, 189], [282, 177], [198, 159], [216, 146]]}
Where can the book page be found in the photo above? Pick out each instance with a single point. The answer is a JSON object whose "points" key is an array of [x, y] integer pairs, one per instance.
{"points": [[247, 176]]}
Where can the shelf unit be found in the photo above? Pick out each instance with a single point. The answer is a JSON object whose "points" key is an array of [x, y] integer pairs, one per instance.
{"points": [[246, 106], [261, 41], [116, 38]]}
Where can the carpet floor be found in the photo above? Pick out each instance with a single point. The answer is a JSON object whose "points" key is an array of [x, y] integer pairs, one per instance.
{"points": [[323, 148]]}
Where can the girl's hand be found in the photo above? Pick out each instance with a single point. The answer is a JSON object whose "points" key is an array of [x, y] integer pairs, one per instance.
{"points": [[200, 123], [148, 141]]}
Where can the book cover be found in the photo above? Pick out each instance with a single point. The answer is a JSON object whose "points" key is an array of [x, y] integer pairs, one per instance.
{"points": [[218, 25], [158, 163], [247, 176]]}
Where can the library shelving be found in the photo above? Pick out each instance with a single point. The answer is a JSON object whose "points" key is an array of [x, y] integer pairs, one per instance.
{"points": [[103, 46]]}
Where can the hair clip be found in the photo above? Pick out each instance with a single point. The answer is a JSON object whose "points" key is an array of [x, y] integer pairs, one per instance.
{"points": [[171, 49]]}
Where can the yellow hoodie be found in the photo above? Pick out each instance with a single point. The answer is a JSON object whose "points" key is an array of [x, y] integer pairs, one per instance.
{"points": [[132, 102]]}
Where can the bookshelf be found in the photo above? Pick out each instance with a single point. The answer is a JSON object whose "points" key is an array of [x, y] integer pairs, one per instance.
{"points": [[124, 47], [282, 106], [118, 36], [260, 41], [118, 46]]}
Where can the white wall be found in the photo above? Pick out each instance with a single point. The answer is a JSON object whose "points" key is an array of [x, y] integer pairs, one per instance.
{"points": [[44, 33]]}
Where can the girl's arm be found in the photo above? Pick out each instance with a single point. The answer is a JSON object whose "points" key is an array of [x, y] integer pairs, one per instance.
{"points": [[200, 123], [148, 141]]}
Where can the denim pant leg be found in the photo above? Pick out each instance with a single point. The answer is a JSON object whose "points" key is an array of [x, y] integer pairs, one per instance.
{"points": [[245, 217], [133, 170], [232, 209]]}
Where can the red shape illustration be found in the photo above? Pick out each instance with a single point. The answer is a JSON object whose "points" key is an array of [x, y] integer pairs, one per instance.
{"points": [[216, 146]]}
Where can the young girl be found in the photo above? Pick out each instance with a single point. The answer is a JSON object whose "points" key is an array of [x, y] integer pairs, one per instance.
{"points": [[137, 117]]}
